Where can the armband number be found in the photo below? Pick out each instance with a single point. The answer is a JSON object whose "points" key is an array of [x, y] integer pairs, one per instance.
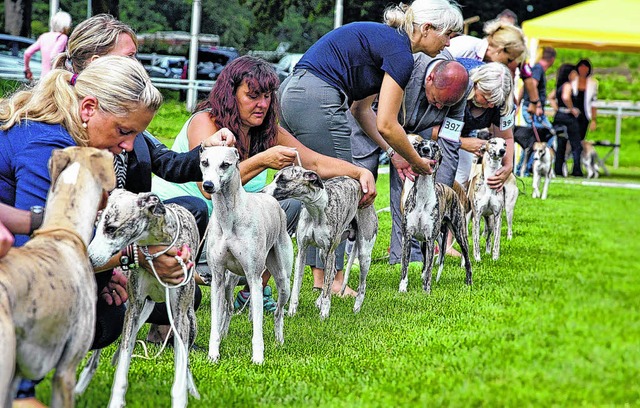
{"points": [[506, 122], [451, 129]]}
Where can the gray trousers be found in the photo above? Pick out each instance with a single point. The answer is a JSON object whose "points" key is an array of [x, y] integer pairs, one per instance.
{"points": [[316, 114]]}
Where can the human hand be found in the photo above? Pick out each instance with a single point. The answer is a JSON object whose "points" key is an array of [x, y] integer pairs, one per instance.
{"points": [[423, 166], [496, 182], [539, 111], [223, 137], [167, 266], [278, 157], [115, 292], [575, 112], [403, 168], [28, 74], [368, 184], [6, 240], [473, 145], [532, 108], [593, 125]]}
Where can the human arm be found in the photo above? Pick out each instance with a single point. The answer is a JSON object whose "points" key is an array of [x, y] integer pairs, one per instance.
{"points": [[568, 101], [535, 106], [389, 105], [15, 220], [6, 240], [594, 111], [28, 53], [553, 101], [365, 116]]}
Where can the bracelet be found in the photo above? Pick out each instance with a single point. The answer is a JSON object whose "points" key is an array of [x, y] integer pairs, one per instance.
{"points": [[538, 101], [136, 264], [124, 258]]}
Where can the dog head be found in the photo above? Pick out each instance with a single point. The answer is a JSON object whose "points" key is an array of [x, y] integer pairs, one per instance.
{"points": [[427, 149], [294, 182], [219, 164], [127, 218], [496, 148], [539, 150]]}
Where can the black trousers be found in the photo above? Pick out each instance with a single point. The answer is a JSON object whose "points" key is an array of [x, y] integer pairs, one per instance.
{"points": [[573, 133]]}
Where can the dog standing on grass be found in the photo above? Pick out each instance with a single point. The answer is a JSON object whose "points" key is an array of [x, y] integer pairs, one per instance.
{"points": [[246, 232], [47, 289], [429, 211], [144, 219], [590, 160], [330, 215], [489, 203], [543, 161]]}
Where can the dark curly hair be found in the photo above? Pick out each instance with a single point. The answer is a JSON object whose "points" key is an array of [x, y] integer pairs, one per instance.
{"points": [[261, 78]]}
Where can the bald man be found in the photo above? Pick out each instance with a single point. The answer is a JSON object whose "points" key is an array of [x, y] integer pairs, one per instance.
{"points": [[434, 103]]}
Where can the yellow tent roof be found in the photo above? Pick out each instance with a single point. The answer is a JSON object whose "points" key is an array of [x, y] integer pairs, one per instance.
{"points": [[611, 25]]}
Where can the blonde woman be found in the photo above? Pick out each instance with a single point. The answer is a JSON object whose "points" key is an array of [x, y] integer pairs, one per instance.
{"points": [[49, 44]]}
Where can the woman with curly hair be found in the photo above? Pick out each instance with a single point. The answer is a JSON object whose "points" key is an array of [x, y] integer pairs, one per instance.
{"points": [[243, 101]]}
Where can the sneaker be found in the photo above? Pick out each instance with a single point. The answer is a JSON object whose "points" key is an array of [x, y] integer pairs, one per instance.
{"points": [[242, 300]]}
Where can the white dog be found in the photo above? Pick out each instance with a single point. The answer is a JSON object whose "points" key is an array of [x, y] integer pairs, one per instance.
{"points": [[543, 162]]}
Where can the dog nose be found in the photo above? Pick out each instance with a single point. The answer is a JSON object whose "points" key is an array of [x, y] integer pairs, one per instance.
{"points": [[208, 186], [502, 151]]}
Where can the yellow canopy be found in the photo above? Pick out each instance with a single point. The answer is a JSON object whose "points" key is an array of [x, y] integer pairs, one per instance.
{"points": [[602, 25]]}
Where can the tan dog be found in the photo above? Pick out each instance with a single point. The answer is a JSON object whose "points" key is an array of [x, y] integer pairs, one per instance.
{"points": [[590, 160], [543, 160], [47, 289]]}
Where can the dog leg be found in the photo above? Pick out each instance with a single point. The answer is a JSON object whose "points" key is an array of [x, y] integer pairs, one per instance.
{"points": [[365, 247], [497, 221], [545, 188], [254, 273], [217, 305], [536, 182], [136, 314], [88, 372], [7, 353], [280, 262], [63, 384], [428, 265], [442, 244], [352, 257], [406, 253], [489, 225], [297, 278], [231, 281], [475, 231], [329, 276], [180, 314]]}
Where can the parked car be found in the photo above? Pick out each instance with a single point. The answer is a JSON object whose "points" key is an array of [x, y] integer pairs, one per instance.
{"points": [[211, 60], [166, 66], [285, 66], [12, 48]]}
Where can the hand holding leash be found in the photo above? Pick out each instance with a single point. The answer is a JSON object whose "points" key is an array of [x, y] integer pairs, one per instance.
{"points": [[166, 265], [278, 157], [115, 293]]}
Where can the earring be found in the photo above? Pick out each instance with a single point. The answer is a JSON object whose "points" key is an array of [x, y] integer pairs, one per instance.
{"points": [[84, 125]]}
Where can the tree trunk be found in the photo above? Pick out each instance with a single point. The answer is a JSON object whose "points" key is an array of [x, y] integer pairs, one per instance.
{"points": [[105, 6], [17, 17]]}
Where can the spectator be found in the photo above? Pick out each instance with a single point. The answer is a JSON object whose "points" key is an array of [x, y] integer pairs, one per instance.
{"points": [[49, 44], [351, 65], [585, 92], [567, 115]]}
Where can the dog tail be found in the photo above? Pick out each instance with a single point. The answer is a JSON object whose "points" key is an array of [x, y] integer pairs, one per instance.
{"points": [[9, 343]]}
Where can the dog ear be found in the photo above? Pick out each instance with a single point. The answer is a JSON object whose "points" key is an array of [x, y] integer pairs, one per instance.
{"points": [[313, 178], [59, 160], [104, 168], [151, 203]]}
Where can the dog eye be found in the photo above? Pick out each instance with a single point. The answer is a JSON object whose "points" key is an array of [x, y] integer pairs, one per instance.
{"points": [[225, 165], [204, 163]]}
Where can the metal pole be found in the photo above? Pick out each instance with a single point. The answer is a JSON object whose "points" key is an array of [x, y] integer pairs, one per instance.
{"points": [[54, 6], [337, 20], [616, 150], [192, 92], [89, 8]]}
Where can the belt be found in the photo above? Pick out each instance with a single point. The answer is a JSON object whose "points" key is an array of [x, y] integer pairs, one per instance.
{"points": [[564, 110]]}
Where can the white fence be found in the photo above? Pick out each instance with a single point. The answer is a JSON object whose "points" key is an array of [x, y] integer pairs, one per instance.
{"points": [[619, 109]]}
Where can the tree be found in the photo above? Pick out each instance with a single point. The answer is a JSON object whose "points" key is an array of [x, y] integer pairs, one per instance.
{"points": [[105, 6], [17, 17]]}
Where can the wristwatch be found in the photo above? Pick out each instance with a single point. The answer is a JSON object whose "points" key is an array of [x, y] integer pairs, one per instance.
{"points": [[390, 152], [37, 215]]}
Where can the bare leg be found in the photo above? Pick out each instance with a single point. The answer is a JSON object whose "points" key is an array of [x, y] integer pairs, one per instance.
{"points": [[336, 287]]}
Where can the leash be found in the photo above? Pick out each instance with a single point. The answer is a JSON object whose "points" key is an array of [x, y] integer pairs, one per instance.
{"points": [[181, 350], [298, 157], [52, 230], [535, 132]]}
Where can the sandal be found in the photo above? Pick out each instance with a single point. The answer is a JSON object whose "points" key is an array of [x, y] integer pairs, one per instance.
{"points": [[243, 298]]}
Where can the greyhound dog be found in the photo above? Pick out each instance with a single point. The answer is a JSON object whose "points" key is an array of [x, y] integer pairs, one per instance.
{"points": [[430, 208], [330, 212], [590, 160], [246, 232], [47, 291], [489, 203], [144, 219], [543, 160]]}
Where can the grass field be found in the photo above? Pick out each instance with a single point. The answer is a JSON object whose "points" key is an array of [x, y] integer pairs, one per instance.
{"points": [[554, 322]]}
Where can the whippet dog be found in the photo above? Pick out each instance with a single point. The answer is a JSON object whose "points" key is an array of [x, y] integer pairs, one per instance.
{"points": [[488, 203], [330, 214], [429, 210], [143, 219], [246, 232], [590, 160], [48, 293], [543, 161]]}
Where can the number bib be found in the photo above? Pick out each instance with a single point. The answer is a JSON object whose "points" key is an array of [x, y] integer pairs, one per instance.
{"points": [[506, 122], [451, 129]]}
